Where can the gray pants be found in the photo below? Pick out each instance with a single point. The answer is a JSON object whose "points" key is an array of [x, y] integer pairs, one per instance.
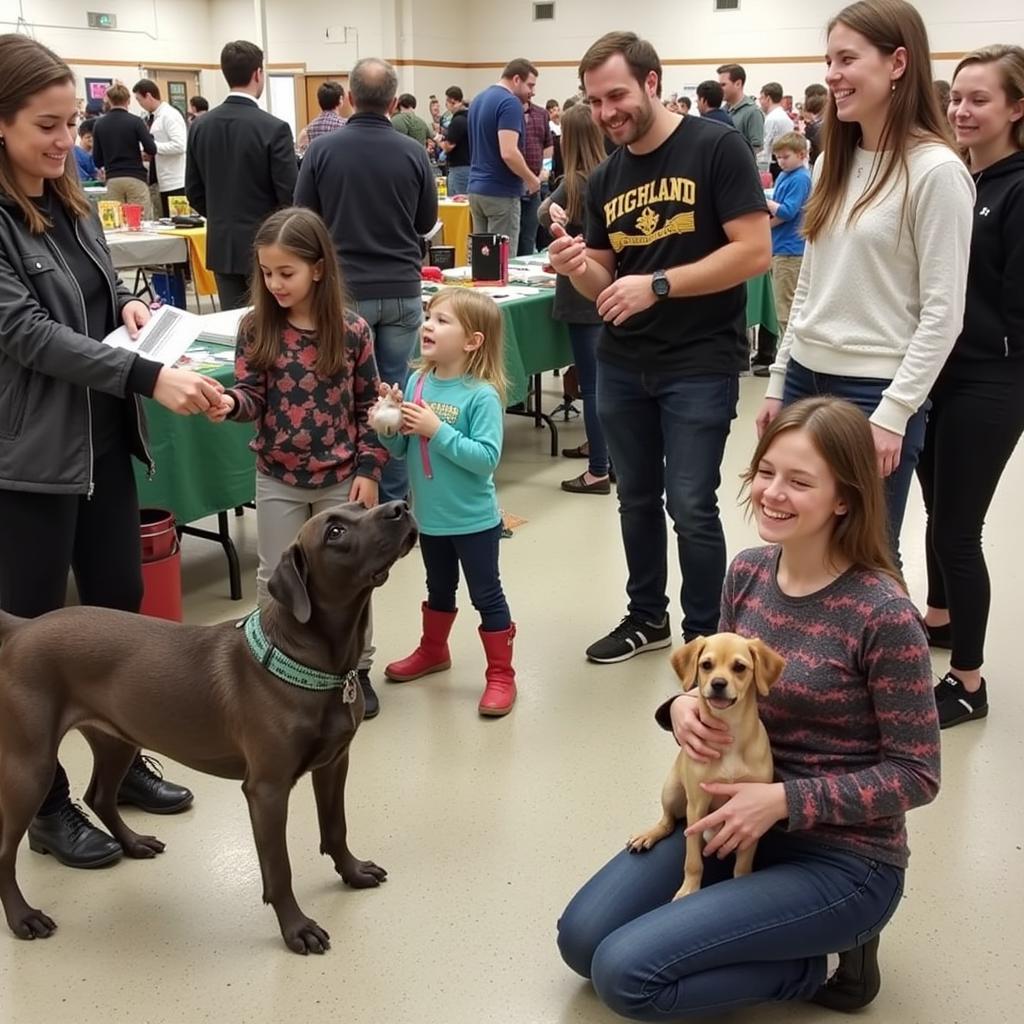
{"points": [[497, 215], [281, 510]]}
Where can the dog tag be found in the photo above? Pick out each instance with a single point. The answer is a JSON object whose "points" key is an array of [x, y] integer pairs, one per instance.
{"points": [[348, 693]]}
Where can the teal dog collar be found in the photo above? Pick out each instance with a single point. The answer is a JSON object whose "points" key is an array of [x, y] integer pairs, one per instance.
{"points": [[278, 663]]}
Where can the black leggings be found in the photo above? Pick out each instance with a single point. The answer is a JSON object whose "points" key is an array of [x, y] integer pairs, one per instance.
{"points": [[972, 430], [42, 536]]}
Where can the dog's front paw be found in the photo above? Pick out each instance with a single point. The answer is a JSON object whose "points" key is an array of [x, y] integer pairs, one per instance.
{"points": [[645, 840], [362, 874], [305, 936], [141, 847], [32, 924]]}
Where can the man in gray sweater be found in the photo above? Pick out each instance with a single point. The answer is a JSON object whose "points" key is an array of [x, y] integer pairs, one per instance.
{"points": [[746, 114]]}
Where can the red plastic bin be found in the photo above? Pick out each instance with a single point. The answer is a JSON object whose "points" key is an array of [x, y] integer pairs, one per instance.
{"points": [[161, 565]]}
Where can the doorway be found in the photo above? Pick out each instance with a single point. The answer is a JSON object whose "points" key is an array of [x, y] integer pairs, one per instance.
{"points": [[312, 106], [177, 86]]}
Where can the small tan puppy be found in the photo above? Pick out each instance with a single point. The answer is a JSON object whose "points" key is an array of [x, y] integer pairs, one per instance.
{"points": [[729, 672]]}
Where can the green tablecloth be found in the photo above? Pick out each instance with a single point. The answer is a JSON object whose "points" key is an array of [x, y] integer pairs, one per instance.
{"points": [[201, 467], [761, 303], [533, 341]]}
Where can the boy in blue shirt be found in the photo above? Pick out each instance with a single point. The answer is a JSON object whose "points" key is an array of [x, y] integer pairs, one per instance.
{"points": [[792, 188], [83, 152]]}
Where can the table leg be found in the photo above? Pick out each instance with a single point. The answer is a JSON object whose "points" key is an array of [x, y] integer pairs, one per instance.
{"points": [[223, 537], [540, 418]]}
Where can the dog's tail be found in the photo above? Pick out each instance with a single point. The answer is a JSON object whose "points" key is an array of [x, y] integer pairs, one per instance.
{"points": [[9, 624]]}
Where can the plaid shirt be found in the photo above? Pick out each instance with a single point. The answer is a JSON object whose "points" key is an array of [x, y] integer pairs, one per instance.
{"points": [[536, 137], [324, 123]]}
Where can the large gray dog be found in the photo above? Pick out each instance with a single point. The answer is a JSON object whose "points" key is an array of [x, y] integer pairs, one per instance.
{"points": [[265, 702]]}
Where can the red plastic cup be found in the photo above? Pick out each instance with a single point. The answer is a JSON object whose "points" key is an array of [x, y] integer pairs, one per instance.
{"points": [[132, 214]]}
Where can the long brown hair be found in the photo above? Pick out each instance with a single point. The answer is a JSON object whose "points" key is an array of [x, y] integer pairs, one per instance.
{"points": [[476, 311], [841, 434], [582, 151], [1009, 61], [913, 114], [28, 67], [303, 233]]}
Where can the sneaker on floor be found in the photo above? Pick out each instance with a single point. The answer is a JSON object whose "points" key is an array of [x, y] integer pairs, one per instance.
{"points": [[956, 704], [370, 698], [630, 637]]}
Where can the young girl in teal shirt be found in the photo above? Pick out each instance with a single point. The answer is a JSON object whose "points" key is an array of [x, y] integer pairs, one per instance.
{"points": [[450, 434]]}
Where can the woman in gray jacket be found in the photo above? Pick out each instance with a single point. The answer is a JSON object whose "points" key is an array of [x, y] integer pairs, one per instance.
{"points": [[70, 413]]}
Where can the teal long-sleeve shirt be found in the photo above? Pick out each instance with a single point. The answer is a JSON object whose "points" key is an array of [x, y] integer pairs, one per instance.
{"points": [[460, 496]]}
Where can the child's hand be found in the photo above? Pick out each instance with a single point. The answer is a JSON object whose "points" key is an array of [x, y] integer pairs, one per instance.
{"points": [[219, 413], [419, 419], [365, 490]]}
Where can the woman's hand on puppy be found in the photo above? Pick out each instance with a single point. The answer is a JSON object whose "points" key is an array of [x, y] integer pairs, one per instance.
{"points": [[702, 739], [752, 809]]}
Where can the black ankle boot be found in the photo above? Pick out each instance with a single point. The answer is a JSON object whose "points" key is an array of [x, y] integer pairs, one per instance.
{"points": [[145, 787], [68, 835], [856, 981], [370, 698]]}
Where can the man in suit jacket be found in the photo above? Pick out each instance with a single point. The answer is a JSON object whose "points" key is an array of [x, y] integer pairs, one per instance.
{"points": [[241, 167]]}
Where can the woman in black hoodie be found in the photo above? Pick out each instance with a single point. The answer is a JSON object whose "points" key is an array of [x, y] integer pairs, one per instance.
{"points": [[977, 413]]}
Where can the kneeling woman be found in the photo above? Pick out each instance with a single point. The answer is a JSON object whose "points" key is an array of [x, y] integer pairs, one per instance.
{"points": [[854, 735]]}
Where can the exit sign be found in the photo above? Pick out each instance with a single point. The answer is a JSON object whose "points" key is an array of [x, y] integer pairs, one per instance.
{"points": [[99, 20]]}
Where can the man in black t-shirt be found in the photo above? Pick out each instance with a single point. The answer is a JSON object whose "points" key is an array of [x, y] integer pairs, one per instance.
{"points": [[676, 223], [456, 142]]}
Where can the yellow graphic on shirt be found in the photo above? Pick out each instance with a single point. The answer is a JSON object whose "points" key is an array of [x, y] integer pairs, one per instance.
{"points": [[445, 413], [659, 190]]}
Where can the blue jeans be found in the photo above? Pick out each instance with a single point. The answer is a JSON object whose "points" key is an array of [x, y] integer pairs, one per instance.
{"points": [[528, 225], [666, 435], [584, 355], [458, 181], [396, 329], [738, 941], [478, 555], [866, 393]]}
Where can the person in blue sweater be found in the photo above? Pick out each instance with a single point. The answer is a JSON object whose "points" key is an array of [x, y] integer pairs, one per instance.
{"points": [[83, 152], [792, 188], [450, 436]]}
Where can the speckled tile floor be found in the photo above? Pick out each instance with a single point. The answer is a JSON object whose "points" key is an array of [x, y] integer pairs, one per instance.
{"points": [[488, 827]]}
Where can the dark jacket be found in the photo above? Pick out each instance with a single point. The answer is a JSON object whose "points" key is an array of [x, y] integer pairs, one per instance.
{"points": [[991, 343], [240, 167], [375, 189], [718, 114], [569, 306], [48, 363], [117, 137]]}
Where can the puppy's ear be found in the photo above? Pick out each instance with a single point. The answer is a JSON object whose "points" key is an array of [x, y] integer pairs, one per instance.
{"points": [[684, 661], [768, 666], [288, 584]]}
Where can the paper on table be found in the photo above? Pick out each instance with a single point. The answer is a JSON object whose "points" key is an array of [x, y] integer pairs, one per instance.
{"points": [[222, 327], [164, 339]]}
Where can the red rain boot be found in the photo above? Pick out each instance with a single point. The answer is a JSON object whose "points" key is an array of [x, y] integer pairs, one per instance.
{"points": [[432, 654], [500, 692]]}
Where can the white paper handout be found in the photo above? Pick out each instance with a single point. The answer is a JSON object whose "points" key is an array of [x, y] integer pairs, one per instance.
{"points": [[164, 339]]}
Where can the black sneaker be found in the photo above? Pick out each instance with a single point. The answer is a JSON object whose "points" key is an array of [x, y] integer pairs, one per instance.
{"points": [[956, 704], [146, 788], [630, 637], [370, 698], [856, 981], [940, 636], [70, 837]]}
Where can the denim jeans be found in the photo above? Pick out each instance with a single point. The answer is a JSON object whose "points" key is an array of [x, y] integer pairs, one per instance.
{"points": [[584, 355], [477, 553], [666, 435], [458, 180], [738, 941], [866, 393], [396, 330], [528, 225]]}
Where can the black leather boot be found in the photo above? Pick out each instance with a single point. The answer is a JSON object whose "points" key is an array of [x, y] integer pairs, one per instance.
{"points": [[145, 787], [856, 981], [370, 698], [69, 836]]}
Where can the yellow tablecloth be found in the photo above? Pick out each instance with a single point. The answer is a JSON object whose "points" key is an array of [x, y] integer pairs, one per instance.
{"points": [[202, 279], [457, 227]]}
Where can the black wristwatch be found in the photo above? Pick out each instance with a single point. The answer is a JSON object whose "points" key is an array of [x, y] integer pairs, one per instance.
{"points": [[660, 284]]}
